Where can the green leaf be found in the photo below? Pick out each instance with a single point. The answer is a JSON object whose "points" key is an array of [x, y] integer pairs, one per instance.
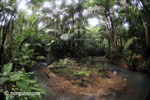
{"points": [[9, 97], [49, 30], [36, 85], [3, 80], [129, 42], [7, 68], [30, 81], [65, 36], [23, 85], [111, 3], [34, 18], [12, 2], [16, 76]]}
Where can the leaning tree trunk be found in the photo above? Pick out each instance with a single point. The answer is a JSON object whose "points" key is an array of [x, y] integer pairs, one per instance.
{"points": [[6, 30]]}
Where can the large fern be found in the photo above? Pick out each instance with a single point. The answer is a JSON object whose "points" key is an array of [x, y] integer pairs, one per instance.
{"points": [[129, 42]]}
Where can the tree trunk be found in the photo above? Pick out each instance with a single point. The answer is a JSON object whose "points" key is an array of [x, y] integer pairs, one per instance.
{"points": [[112, 43], [112, 36], [147, 39]]}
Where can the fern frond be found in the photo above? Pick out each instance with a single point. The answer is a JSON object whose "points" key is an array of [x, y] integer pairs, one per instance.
{"points": [[129, 42]]}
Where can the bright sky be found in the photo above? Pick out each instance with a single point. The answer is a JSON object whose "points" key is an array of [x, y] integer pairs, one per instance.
{"points": [[93, 21], [126, 25], [47, 4], [23, 6]]}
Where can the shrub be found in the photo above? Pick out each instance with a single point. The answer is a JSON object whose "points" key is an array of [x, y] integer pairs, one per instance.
{"points": [[20, 82]]}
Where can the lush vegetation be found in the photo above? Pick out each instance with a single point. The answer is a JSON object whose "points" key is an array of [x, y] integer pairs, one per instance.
{"points": [[60, 28], [76, 69], [78, 72]]}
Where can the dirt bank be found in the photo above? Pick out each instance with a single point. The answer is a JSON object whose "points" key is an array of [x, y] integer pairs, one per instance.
{"points": [[95, 85]]}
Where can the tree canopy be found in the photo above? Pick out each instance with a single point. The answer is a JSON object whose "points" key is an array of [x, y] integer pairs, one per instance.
{"points": [[61, 28]]}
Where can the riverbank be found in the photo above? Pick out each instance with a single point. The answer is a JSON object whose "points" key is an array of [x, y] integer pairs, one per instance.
{"points": [[138, 85], [135, 64], [78, 78]]}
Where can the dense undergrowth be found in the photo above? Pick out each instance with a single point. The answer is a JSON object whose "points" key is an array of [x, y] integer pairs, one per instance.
{"points": [[56, 31], [79, 72], [75, 68]]}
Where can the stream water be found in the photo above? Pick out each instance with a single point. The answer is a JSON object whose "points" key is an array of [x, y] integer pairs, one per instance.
{"points": [[138, 85]]}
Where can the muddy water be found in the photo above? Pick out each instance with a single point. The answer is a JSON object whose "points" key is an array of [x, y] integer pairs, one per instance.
{"points": [[139, 85]]}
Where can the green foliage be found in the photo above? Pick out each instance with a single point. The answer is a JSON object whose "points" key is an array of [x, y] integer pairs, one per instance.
{"points": [[63, 63], [3, 80], [86, 59], [7, 68], [82, 73], [130, 42], [66, 33], [24, 58], [130, 57], [19, 81], [145, 64], [67, 61], [104, 3], [127, 52]]}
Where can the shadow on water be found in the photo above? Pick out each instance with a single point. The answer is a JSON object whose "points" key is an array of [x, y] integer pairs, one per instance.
{"points": [[138, 85]]}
